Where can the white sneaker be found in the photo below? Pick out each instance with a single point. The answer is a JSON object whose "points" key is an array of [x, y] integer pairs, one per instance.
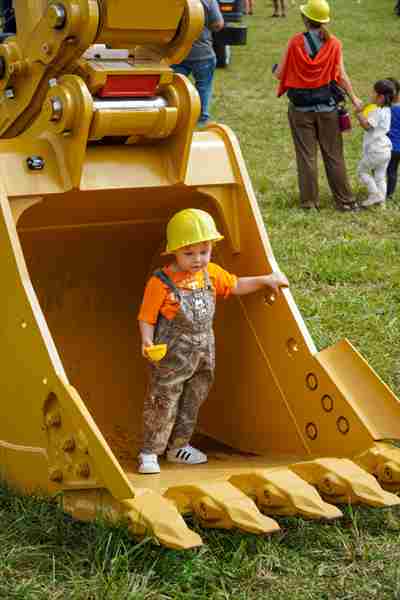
{"points": [[186, 455], [373, 199], [148, 463]]}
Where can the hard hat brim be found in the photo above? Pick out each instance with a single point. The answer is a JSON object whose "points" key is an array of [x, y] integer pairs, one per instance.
{"points": [[303, 10], [173, 250]]}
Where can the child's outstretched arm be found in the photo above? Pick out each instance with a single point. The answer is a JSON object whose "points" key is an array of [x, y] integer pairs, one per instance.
{"points": [[247, 285], [147, 334], [365, 124]]}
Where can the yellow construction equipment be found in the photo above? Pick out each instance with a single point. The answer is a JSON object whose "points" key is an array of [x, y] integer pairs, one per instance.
{"points": [[98, 149]]}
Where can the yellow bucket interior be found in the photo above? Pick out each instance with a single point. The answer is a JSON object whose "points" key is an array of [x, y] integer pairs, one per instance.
{"points": [[89, 255]]}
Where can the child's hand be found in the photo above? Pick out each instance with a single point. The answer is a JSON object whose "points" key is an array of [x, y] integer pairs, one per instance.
{"points": [[276, 281], [144, 346], [358, 104]]}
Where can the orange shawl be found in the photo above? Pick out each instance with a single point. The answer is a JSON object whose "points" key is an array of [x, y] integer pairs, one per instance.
{"points": [[301, 71]]}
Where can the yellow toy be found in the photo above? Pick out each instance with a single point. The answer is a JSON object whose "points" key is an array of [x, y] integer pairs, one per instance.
{"points": [[156, 352], [369, 108], [96, 155]]}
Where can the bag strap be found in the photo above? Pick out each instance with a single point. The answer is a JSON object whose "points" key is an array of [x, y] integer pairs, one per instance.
{"points": [[312, 44]]}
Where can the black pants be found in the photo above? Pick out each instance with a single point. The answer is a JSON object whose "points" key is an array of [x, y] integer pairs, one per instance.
{"points": [[391, 173]]}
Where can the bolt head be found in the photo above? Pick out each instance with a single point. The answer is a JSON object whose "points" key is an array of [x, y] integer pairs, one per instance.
{"points": [[56, 475], [57, 16]]}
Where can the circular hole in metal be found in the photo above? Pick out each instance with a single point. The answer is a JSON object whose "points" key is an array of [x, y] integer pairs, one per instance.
{"points": [[327, 403], [388, 473], [343, 425], [312, 381], [292, 346], [311, 431], [270, 298]]}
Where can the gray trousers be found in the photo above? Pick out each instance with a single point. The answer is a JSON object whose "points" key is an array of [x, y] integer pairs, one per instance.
{"points": [[310, 130]]}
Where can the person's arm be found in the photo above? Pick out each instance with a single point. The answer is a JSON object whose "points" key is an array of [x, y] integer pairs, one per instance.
{"points": [[215, 19], [247, 285], [147, 335], [277, 72], [365, 124], [345, 82]]}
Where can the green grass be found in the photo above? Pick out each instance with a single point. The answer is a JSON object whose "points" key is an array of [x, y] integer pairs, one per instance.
{"points": [[343, 269], [345, 274]]}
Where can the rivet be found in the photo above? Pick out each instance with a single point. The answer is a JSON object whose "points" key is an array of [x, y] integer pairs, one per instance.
{"points": [[292, 346], [52, 82], [47, 48], [56, 108], [57, 16], [270, 298], [53, 419], [44, 381], [35, 163], [311, 431], [312, 381], [327, 403], [56, 475], [9, 93], [343, 425], [388, 473], [69, 445], [83, 470], [24, 325]]}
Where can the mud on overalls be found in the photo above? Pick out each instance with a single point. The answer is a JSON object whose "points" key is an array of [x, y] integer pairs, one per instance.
{"points": [[180, 382]]}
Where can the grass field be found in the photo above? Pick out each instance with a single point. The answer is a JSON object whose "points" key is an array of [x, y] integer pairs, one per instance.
{"points": [[345, 273]]}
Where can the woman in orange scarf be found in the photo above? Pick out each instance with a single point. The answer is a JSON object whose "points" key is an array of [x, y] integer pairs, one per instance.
{"points": [[311, 62]]}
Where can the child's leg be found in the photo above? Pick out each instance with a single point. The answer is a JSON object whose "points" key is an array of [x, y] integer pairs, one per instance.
{"points": [[364, 174], [159, 414], [276, 8], [283, 8], [194, 393], [392, 173], [380, 176]]}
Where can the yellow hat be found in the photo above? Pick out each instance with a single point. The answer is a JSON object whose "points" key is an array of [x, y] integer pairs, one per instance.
{"points": [[190, 226], [316, 10]]}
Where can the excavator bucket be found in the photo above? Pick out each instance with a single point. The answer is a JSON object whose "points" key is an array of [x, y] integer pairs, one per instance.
{"points": [[98, 150]]}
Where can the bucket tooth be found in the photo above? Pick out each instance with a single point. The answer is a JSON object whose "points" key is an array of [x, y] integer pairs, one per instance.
{"points": [[282, 492], [342, 481], [383, 461], [221, 505], [150, 513]]}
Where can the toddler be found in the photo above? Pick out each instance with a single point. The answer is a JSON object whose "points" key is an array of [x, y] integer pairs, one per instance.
{"points": [[394, 136], [178, 310], [376, 145]]}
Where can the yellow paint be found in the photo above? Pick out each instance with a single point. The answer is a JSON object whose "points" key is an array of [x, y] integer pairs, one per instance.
{"points": [[79, 239]]}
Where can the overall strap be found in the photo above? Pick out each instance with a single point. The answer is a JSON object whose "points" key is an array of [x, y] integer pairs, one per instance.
{"points": [[167, 281], [207, 281]]}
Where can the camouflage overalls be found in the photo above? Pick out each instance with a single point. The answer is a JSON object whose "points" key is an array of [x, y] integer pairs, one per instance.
{"points": [[180, 382]]}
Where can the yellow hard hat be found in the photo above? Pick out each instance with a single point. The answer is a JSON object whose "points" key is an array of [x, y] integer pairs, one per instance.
{"points": [[316, 10], [190, 226]]}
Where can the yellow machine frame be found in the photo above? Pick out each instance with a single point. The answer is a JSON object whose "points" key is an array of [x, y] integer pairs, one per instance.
{"points": [[87, 186]]}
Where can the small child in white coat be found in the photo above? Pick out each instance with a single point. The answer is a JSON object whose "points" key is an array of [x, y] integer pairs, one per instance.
{"points": [[377, 147]]}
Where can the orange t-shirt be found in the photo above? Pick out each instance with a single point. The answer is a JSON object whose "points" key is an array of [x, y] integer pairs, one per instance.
{"points": [[159, 298]]}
